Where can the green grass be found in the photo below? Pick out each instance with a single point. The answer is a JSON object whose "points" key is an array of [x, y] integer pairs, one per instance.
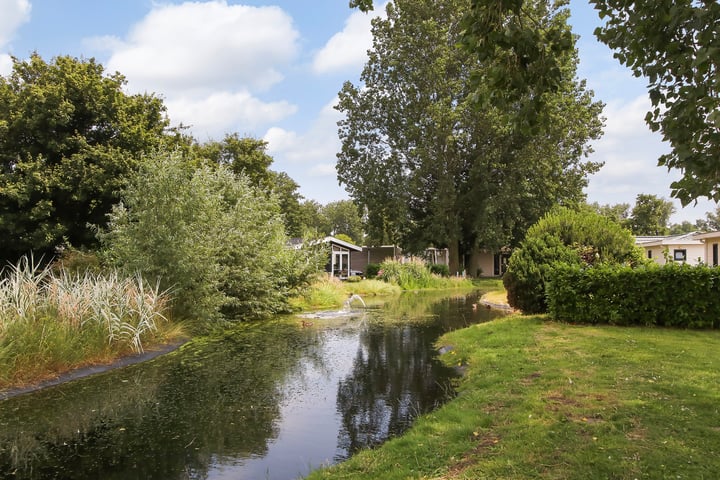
{"points": [[52, 321], [555, 401]]}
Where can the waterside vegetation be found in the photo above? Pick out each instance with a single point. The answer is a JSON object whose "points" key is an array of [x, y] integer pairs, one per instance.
{"points": [[53, 321]]}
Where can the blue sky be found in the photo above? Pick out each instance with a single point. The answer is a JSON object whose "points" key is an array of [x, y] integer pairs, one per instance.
{"points": [[272, 70]]}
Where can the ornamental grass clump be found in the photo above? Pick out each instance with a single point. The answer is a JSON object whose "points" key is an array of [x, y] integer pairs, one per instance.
{"points": [[416, 275], [53, 321]]}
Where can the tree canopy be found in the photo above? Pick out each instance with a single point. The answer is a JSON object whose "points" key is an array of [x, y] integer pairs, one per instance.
{"points": [[651, 215], [69, 136], [432, 168], [248, 157], [674, 44], [207, 234]]}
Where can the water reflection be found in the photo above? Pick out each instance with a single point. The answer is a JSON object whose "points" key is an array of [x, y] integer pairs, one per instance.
{"points": [[270, 400]]}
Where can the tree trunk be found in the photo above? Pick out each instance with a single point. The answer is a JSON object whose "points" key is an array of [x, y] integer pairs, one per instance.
{"points": [[454, 254]]}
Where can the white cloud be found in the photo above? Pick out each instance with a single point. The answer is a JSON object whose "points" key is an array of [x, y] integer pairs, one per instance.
{"points": [[280, 140], [347, 49], [5, 64], [208, 60], [315, 146], [205, 46], [14, 14], [225, 112], [630, 152], [309, 156]]}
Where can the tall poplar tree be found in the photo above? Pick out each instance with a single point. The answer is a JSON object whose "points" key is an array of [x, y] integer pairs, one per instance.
{"points": [[428, 165]]}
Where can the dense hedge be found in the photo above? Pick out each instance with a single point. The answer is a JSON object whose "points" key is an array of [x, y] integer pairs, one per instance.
{"points": [[569, 237], [672, 295]]}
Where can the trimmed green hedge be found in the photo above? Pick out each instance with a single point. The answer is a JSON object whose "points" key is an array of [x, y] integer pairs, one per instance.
{"points": [[672, 295]]}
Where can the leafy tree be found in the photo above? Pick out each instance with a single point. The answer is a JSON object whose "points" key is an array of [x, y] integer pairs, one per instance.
{"points": [[568, 237], [686, 227], [429, 167], [69, 139], [248, 157], [676, 46], [343, 217], [651, 215], [311, 218], [209, 236], [241, 155], [619, 213], [712, 220]]}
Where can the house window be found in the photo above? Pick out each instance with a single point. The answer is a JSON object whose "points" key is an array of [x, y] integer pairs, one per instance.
{"points": [[649, 253], [715, 255], [680, 255]]}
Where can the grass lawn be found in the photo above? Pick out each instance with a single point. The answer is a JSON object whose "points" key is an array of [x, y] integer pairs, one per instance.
{"points": [[554, 401]]}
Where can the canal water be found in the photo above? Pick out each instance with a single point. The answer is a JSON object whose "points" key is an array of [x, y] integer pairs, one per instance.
{"points": [[270, 400]]}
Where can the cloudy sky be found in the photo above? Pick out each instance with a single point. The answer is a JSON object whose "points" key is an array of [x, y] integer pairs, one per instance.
{"points": [[272, 70]]}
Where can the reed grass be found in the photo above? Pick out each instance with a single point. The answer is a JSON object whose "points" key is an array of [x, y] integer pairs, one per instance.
{"points": [[51, 321], [415, 275]]}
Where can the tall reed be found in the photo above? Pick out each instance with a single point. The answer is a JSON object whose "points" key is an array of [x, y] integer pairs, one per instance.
{"points": [[415, 275], [53, 320]]}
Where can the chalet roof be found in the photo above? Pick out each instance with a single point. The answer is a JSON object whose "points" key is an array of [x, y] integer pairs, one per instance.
{"points": [[706, 235], [297, 243], [342, 243], [661, 240]]}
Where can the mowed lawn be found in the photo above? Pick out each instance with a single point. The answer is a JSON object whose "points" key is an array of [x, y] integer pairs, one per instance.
{"points": [[547, 400]]}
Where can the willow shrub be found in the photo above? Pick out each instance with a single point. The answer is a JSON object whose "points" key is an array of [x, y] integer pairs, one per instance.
{"points": [[671, 295], [217, 242]]}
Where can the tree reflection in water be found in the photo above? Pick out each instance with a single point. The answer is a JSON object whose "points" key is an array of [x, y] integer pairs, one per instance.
{"points": [[396, 375], [233, 405]]}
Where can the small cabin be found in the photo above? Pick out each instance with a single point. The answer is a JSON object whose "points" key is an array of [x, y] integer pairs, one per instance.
{"points": [[685, 248], [340, 262]]}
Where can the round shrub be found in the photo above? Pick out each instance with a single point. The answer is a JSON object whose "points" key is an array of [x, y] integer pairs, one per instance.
{"points": [[371, 270], [439, 269], [566, 237]]}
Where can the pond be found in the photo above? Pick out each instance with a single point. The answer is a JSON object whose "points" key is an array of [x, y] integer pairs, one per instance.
{"points": [[270, 400]]}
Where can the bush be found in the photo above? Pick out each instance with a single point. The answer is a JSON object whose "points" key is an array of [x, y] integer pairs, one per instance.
{"points": [[371, 270], [566, 237], [410, 275], [439, 269], [216, 241], [671, 295]]}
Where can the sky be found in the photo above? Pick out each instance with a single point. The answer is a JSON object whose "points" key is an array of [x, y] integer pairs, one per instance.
{"points": [[272, 70]]}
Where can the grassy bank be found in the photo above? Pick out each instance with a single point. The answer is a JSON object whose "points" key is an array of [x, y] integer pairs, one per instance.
{"points": [[330, 292], [52, 322], [547, 400]]}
